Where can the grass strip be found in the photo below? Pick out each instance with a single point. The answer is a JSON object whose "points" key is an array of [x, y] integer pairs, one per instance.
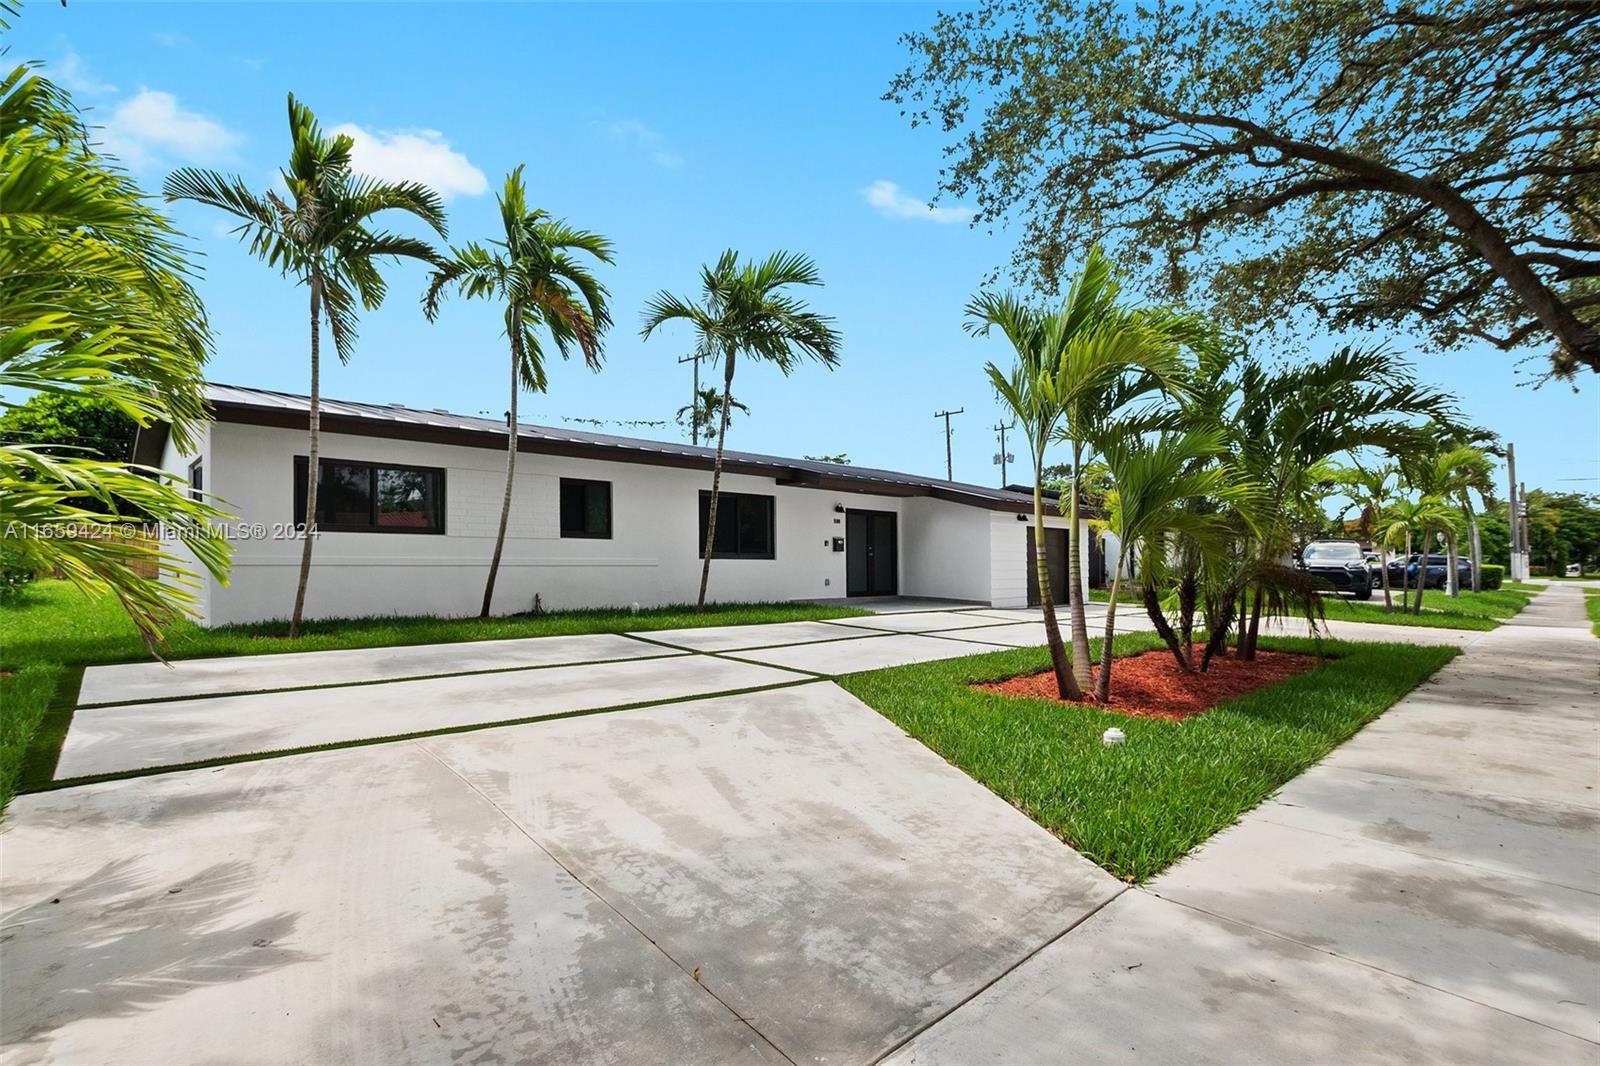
{"points": [[49, 629], [1591, 606], [1137, 808]]}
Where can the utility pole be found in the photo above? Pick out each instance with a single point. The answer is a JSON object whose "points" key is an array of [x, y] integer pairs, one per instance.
{"points": [[1523, 538], [694, 399], [1513, 512], [1004, 457], [949, 469]]}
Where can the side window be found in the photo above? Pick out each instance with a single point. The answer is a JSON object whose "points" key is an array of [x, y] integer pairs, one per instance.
{"points": [[585, 508], [746, 526], [357, 497], [197, 480]]}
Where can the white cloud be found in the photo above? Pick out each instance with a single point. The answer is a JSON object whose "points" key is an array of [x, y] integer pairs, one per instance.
{"points": [[168, 39], [643, 137], [151, 124], [414, 155], [73, 73], [894, 202]]}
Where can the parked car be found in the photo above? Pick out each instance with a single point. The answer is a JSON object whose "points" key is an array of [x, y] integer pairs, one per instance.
{"points": [[1435, 569], [1340, 565], [1574, 569]]}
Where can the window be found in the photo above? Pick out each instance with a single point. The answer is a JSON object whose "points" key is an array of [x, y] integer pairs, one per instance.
{"points": [[197, 480], [354, 497], [745, 526], [585, 508]]}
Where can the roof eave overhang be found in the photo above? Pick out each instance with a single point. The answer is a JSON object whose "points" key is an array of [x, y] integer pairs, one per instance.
{"points": [[283, 418]]}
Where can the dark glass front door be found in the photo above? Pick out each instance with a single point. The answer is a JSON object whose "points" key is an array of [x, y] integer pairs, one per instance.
{"points": [[870, 558]]}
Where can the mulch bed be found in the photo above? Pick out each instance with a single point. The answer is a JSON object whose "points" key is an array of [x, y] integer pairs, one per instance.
{"points": [[1151, 685]]}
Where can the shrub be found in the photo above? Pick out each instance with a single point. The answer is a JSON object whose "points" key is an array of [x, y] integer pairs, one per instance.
{"points": [[1492, 576], [1535, 570]]}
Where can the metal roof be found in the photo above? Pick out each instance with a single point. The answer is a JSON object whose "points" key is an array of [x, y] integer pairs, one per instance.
{"points": [[229, 401]]}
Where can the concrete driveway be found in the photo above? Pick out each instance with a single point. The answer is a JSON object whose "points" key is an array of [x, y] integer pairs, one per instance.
{"points": [[737, 861], [756, 867]]}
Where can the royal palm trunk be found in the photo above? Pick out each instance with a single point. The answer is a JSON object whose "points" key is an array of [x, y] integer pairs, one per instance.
{"points": [[716, 482], [511, 462], [313, 458]]}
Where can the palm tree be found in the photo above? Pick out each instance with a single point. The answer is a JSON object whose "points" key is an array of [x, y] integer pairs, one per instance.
{"points": [[1076, 367], [323, 236], [701, 416], [1151, 482], [745, 310], [1288, 422], [1370, 490], [533, 270], [98, 304], [1407, 520]]}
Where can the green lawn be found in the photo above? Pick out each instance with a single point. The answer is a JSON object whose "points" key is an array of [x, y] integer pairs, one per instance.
{"points": [[1591, 604], [1470, 610], [1137, 808], [50, 630]]}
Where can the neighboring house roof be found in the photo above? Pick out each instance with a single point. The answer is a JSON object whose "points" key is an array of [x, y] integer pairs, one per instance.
{"points": [[237, 404]]}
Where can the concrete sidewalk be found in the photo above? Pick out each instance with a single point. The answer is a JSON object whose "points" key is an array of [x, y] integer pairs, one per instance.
{"points": [[1429, 893]]}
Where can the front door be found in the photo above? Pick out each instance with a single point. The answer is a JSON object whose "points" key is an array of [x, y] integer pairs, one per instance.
{"points": [[871, 565], [1055, 557]]}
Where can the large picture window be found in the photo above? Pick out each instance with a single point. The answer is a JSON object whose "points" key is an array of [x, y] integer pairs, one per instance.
{"points": [[745, 526], [585, 508], [356, 497]]}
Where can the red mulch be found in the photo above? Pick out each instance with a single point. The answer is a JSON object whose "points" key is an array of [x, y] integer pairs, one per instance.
{"points": [[1150, 684]]}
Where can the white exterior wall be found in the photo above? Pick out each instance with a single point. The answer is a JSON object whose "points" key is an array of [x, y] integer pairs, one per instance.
{"points": [[944, 550], [652, 558], [178, 461]]}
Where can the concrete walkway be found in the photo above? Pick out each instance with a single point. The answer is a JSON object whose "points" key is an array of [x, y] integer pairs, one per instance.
{"points": [[1428, 893]]}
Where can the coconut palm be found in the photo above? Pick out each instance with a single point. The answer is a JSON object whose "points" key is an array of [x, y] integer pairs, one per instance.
{"points": [[1152, 480], [701, 415], [98, 304], [323, 236], [546, 288], [745, 310]]}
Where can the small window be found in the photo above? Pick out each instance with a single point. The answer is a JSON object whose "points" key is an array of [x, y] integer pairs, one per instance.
{"points": [[356, 497], [745, 526], [197, 480], [585, 508]]}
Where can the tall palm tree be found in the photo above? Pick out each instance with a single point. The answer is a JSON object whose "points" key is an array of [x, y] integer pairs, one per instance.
{"points": [[1151, 482], [543, 284], [745, 310], [1077, 367], [323, 236], [701, 416]]}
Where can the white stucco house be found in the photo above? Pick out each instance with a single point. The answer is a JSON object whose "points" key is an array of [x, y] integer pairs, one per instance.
{"points": [[410, 499]]}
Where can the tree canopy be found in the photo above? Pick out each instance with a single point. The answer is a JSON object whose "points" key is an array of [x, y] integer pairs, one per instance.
{"points": [[1372, 163]]}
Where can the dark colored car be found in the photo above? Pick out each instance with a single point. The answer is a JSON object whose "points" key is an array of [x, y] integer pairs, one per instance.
{"points": [[1340, 565], [1434, 570]]}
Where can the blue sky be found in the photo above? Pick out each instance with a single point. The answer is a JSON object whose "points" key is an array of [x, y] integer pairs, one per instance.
{"points": [[677, 131]]}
